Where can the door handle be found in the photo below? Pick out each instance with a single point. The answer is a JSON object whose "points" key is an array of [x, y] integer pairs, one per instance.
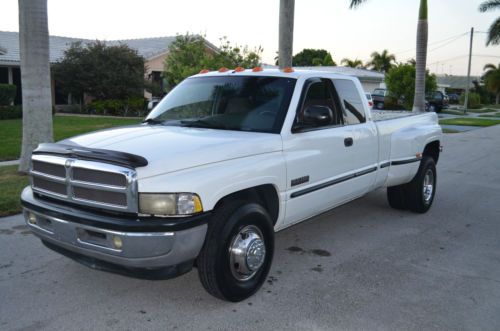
{"points": [[348, 142]]}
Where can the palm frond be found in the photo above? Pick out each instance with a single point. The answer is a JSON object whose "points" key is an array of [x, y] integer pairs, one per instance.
{"points": [[494, 33], [490, 66], [356, 3], [489, 5]]}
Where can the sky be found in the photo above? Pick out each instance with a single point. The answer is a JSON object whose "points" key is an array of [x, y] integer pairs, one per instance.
{"points": [[331, 25]]}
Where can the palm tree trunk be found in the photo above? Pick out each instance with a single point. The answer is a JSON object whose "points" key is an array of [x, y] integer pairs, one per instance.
{"points": [[497, 99], [35, 77], [422, 36], [285, 51]]}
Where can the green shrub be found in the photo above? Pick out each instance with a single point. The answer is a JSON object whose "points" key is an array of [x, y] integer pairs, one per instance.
{"points": [[7, 94], [474, 100], [114, 107], [10, 112]]}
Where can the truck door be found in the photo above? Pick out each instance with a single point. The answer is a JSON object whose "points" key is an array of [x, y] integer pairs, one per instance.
{"points": [[320, 154], [365, 147]]}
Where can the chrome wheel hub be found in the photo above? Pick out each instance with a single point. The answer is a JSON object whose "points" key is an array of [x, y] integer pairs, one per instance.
{"points": [[428, 187], [247, 253]]}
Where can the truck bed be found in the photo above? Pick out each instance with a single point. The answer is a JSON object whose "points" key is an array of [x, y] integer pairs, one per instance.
{"points": [[384, 115]]}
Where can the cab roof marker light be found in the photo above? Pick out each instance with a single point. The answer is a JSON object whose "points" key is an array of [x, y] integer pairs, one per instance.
{"points": [[204, 71], [239, 69], [288, 69], [257, 69], [223, 69]]}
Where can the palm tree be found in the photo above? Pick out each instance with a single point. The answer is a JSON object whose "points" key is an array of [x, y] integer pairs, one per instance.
{"points": [[492, 79], [352, 63], [285, 49], [382, 61], [422, 36], [35, 77], [494, 31]]}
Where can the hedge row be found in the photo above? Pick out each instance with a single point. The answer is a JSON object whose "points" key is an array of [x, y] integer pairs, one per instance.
{"points": [[10, 112]]}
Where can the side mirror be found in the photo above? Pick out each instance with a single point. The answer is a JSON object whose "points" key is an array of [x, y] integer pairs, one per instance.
{"points": [[317, 116]]}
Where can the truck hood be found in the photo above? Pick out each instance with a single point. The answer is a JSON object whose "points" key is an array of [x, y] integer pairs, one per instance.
{"points": [[173, 148]]}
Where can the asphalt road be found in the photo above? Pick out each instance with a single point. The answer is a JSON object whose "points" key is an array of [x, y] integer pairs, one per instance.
{"points": [[360, 266]]}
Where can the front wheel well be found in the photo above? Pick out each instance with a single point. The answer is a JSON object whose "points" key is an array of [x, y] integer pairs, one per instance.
{"points": [[432, 149], [266, 195]]}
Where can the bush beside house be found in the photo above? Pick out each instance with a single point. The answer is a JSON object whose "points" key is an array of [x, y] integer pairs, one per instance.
{"points": [[7, 95], [474, 100]]}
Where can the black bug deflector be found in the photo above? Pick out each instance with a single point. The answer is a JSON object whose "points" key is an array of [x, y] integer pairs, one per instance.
{"points": [[92, 154]]}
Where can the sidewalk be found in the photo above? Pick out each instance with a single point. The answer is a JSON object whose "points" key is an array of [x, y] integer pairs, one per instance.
{"points": [[9, 163]]}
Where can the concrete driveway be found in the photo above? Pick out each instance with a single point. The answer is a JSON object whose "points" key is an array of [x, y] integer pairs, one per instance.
{"points": [[361, 266]]}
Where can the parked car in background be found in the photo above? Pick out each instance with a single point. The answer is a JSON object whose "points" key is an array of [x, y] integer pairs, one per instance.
{"points": [[436, 101], [370, 100], [378, 97]]}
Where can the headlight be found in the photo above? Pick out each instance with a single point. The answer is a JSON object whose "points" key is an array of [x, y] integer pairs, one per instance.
{"points": [[169, 204]]}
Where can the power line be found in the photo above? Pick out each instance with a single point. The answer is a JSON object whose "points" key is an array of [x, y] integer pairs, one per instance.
{"points": [[435, 42]]}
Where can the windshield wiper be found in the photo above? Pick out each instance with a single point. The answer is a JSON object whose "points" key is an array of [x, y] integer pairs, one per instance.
{"points": [[201, 123], [152, 121]]}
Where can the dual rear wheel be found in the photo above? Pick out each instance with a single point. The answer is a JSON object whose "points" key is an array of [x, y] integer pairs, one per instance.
{"points": [[418, 194]]}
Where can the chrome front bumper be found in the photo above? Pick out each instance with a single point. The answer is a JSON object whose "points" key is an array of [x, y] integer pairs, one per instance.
{"points": [[129, 243]]}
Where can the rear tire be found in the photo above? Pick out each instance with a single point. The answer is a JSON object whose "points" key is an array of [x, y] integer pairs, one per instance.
{"points": [[421, 190], [396, 197], [379, 105], [417, 195], [236, 226]]}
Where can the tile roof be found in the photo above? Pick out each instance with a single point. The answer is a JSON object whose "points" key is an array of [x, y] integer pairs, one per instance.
{"points": [[456, 82], [146, 47]]}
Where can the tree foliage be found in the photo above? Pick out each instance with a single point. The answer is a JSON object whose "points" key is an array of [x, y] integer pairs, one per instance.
{"points": [[353, 63], [104, 72], [313, 57], [382, 61], [492, 79], [189, 54], [400, 81], [494, 30]]}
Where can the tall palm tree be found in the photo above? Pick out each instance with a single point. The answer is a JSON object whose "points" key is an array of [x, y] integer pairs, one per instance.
{"points": [[352, 63], [422, 36], [35, 77], [492, 79], [494, 31], [382, 61], [285, 49]]}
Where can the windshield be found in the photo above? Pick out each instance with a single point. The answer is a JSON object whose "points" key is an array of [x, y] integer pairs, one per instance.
{"points": [[243, 103]]}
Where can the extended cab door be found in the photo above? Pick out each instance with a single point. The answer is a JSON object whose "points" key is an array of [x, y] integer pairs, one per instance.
{"points": [[326, 160]]}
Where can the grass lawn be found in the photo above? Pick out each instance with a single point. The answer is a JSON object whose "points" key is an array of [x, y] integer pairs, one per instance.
{"points": [[11, 185], [470, 121], [480, 111], [64, 127], [446, 130], [452, 112], [491, 115]]}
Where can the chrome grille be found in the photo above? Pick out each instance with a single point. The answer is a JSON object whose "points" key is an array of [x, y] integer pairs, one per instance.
{"points": [[82, 182]]}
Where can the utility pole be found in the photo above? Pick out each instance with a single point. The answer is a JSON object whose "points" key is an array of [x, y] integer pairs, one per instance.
{"points": [[466, 103], [287, 8]]}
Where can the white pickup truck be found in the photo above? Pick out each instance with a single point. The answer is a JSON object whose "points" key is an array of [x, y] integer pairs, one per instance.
{"points": [[226, 159]]}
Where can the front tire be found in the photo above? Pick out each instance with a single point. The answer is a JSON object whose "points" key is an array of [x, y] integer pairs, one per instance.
{"points": [[238, 250]]}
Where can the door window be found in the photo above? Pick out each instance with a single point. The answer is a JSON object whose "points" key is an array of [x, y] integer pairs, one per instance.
{"points": [[319, 93], [353, 109]]}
